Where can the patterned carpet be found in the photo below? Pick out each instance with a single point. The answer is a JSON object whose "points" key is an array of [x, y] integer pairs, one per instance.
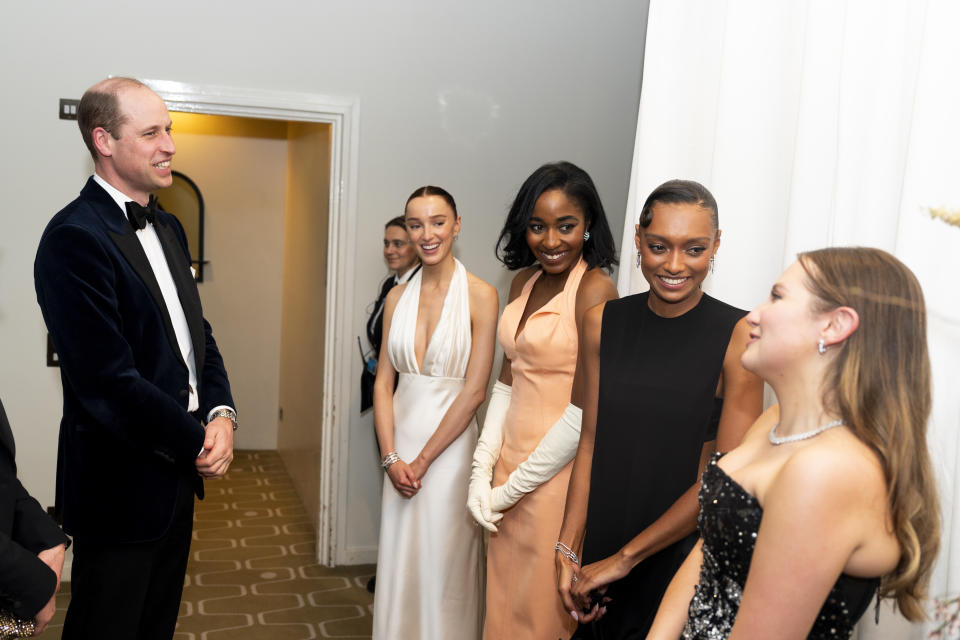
{"points": [[252, 573]]}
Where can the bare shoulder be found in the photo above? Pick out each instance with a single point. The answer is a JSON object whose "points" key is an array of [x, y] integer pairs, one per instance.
{"points": [[740, 334], [520, 279], [592, 324], [596, 287], [482, 294], [394, 294], [838, 467]]}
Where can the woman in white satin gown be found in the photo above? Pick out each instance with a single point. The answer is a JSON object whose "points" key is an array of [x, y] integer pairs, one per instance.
{"points": [[439, 337]]}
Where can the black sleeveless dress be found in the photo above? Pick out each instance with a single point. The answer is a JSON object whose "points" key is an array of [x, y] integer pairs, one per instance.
{"points": [[729, 520], [656, 408]]}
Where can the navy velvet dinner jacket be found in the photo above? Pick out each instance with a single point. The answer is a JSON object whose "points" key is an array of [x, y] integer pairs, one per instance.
{"points": [[126, 435]]}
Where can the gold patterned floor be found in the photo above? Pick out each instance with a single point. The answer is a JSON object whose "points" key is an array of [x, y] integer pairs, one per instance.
{"points": [[252, 573]]}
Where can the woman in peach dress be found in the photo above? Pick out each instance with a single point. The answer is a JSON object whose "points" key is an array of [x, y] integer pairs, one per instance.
{"points": [[557, 233]]}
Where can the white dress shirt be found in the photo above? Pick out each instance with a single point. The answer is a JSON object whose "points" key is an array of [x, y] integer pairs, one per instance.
{"points": [[161, 270]]}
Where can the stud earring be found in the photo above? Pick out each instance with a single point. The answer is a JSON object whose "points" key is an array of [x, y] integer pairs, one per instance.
{"points": [[586, 236], [638, 259], [822, 346]]}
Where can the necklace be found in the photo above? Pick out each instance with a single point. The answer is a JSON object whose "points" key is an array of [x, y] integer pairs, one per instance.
{"points": [[777, 440]]}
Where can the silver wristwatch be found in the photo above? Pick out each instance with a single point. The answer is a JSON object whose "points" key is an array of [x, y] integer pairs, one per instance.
{"points": [[229, 414]]}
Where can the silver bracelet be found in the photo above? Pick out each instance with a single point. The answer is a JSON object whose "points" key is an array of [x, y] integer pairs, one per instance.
{"points": [[389, 459], [567, 553]]}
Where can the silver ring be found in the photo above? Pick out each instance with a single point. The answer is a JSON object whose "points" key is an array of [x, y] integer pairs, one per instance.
{"points": [[575, 578]]}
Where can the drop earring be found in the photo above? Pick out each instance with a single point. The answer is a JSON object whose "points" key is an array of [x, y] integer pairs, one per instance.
{"points": [[822, 346], [713, 263], [586, 236], [638, 259]]}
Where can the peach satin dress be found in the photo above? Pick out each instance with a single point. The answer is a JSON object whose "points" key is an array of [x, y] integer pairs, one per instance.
{"points": [[522, 601]]}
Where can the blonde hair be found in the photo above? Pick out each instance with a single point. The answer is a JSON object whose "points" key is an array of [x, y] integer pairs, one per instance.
{"points": [[879, 383]]}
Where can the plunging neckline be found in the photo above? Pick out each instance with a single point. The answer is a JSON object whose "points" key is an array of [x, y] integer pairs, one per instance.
{"points": [[528, 290], [443, 314]]}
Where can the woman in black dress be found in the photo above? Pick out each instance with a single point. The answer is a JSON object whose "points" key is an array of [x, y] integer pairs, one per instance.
{"points": [[665, 389], [831, 495]]}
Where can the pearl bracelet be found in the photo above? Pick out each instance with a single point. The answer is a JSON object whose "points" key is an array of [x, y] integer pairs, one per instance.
{"points": [[389, 459], [567, 553]]}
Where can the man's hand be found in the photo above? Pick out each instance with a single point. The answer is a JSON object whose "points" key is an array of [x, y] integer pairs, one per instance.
{"points": [[53, 558], [45, 615], [217, 453]]}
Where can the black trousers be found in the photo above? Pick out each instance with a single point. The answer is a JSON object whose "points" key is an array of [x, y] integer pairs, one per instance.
{"points": [[131, 591]]}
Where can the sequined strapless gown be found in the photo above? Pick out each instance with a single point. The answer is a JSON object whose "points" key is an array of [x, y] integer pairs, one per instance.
{"points": [[729, 520]]}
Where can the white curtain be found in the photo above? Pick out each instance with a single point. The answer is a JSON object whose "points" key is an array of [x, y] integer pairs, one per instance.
{"points": [[818, 123]]}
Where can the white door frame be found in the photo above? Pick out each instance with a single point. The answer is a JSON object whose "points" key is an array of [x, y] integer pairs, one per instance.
{"points": [[342, 114]]}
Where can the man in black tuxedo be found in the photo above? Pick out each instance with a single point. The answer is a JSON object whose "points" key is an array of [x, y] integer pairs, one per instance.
{"points": [[31, 545], [403, 261], [141, 374]]}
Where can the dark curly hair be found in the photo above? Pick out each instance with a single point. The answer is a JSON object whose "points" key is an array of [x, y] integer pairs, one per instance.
{"points": [[599, 251]]}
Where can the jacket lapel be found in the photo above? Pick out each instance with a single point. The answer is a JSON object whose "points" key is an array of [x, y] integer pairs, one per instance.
{"points": [[129, 245], [186, 289]]}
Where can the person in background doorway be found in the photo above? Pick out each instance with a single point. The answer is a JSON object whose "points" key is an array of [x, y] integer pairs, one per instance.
{"points": [[147, 409], [32, 549], [403, 262]]}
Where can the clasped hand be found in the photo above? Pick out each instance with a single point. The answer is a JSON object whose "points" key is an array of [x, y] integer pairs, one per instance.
{"points": [[583, 590], [53, 558], [217, 453], [406, 477]]}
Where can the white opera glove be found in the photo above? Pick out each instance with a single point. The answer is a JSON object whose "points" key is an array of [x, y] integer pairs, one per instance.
{"points": [[557, 447], [485, 456]]}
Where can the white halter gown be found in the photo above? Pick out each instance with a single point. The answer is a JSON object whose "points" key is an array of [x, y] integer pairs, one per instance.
{"points": [[429, 580]]}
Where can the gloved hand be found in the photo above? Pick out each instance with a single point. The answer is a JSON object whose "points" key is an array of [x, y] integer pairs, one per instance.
{"points": [[557, 447], [485, 456]]}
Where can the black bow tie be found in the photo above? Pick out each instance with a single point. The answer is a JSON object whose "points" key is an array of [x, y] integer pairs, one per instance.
{"points": [[139, 216]]}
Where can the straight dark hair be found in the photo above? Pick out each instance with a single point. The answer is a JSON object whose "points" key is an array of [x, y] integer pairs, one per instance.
{"points": [[395, 222], [680, 191], [599, 251]]}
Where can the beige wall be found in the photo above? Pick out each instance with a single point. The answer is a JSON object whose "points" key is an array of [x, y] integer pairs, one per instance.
{"points": [[304, 296], [240, 167]]}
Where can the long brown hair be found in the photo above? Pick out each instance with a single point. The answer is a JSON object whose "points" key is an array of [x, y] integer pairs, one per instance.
{"points": [[879, 383]]}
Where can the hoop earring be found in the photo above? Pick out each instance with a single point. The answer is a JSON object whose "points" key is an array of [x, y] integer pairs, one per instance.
{"points": [[586, 236], [638, 259], [822, 346]]}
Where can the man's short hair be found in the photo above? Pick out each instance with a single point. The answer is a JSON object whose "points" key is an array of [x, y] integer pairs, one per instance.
{"points": [[100, 107]]}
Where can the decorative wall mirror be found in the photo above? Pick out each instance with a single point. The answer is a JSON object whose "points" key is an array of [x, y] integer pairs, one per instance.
{"points": [[183, 199]]}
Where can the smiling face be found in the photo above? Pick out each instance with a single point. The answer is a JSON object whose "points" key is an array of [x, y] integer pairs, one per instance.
{"points": [[675, 251], [137, 161], [432, 226], [784, 329], [555, 231], [398, 251]]}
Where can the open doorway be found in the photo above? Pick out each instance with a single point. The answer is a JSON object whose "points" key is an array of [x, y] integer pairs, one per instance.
{"points": [[266, 189], [290, 270]]}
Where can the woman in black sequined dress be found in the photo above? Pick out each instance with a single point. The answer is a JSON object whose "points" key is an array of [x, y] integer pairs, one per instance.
{"points": [[830, 498]]}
